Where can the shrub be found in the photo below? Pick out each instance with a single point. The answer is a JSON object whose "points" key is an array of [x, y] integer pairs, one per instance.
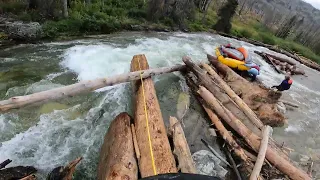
{"points": [[267, 38], [196, 27], [245, 33]]}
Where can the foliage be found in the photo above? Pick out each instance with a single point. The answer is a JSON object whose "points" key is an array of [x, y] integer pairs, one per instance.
{"points": [[196, 27], [14, 7], [268, 38], [225, 14]]}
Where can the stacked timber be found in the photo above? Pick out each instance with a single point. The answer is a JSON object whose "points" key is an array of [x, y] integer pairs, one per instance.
{"points": [[308, 62], [143, 147], [261, 100], [281, 65], [199, 81]]}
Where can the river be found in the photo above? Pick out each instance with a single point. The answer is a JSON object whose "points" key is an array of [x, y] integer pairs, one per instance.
{"points": [[55, 133]]}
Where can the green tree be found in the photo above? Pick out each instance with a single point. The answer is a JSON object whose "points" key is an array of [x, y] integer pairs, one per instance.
{"points": [[225, 15]]}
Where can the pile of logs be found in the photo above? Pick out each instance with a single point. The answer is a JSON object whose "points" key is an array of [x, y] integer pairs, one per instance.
{"points": [[208, 89], [281, 65], [139, 146]]}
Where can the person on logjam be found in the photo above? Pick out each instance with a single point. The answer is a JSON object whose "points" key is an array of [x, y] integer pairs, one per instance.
{"points": [[253, 73], [285, 84]]}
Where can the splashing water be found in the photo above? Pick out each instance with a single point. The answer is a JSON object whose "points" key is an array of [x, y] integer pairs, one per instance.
{"points": [[53, 134]]}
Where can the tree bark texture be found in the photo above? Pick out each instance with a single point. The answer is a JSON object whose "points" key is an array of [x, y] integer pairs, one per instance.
{"points": [[147, 109]]}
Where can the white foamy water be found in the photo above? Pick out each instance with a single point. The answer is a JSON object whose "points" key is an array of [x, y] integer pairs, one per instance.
{"points": [[54, 134]]}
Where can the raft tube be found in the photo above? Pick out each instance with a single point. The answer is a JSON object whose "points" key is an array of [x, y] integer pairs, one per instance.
{"points": [[233, 63], [233, 53]]}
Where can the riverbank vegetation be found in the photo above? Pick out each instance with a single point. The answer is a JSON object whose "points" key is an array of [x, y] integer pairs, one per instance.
{"points": [[78, 17]]}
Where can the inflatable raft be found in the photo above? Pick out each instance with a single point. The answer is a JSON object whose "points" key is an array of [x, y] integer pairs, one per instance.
{"points": [[233, 63]]}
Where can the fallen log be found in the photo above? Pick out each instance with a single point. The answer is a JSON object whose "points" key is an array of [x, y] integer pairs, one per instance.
{"points": [[259, 99], [135, 142], [5, 163], [181, 148], [30, 177], [156, 155], [252, 139], [308, 62], [289, 103], [242, 105], [215, 153], [81, 87], [64, 173], [205, 80], [263, 55], [280, 58], [262, 153], [224, 133], [117, 156], [16, 172], [234, 165]]}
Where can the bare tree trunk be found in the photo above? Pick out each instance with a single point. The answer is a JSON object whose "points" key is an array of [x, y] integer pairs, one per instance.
{"points": [[242, 6], [206, 11], [181, 147], [262, 153], [81, 87], [156, 155], [117, 159], [65, 8], [242, 105]]}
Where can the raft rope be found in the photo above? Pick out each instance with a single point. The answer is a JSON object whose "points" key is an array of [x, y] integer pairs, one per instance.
{"points": [[147, 122]]}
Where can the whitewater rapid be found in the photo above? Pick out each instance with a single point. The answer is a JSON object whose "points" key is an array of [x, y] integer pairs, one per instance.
{"points": [[54, 134]]}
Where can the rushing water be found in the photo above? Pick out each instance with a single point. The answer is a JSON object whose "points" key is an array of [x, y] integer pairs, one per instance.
{"points": [[55, 133]]}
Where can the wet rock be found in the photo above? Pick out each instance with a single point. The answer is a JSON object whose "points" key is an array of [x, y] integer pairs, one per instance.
{"points": [[23, 31], [281, 107], [208, 164]]}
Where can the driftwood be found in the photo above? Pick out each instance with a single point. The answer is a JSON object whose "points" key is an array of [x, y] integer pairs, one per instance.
{"points": [[135, 142], [117, 159], [253, 140], [289, 103], [263, 55], [234, 165], [17, 172], [81, 87], [281, 65], [181, 148], [148, 120], [308, 62], [30, 177], [5, 163], [262, 153], [259, 99], [281, 59], [64, 173], [242, 105], [224, 133], [207, 81]]}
